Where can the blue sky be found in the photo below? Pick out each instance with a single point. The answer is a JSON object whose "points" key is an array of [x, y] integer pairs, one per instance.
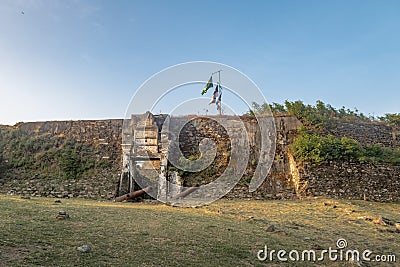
{"points": [[64, 60]]}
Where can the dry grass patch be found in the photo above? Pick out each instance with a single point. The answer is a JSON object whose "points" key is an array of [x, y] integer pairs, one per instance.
{"points": [[225, 233]]}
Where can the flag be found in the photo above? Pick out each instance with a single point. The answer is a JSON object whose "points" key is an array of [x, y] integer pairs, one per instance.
{"points": [[215, 95], [208, 86], [219, 102]]}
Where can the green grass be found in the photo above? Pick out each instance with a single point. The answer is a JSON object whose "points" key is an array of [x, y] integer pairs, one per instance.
{"points": [[225, 233]]}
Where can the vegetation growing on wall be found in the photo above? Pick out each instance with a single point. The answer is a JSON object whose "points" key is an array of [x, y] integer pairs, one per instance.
{"points": [[208, 174], [3, 163], [313, 144], [318, 116], [44, 154], [75, 159], [391, 119], [3, 166], [311, 147]]}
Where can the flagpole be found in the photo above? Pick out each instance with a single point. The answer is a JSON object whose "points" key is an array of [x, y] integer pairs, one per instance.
{"points": [[219, 82], [218, 71], [220, 88]]}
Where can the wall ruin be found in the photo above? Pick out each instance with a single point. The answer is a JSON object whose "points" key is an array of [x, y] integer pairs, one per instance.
{"points": [[378, 182]]}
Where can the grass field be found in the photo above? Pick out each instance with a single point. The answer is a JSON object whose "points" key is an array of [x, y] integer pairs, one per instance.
{"points": [[225, 233]]}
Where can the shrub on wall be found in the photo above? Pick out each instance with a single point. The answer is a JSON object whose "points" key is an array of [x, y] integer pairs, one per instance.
{"points": [[391, 119], [50, 155], [76, 158], [314, 148], [316, 116], [311, 147]]}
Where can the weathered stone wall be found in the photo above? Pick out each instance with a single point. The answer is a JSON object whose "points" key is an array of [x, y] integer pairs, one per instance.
{"points": [[105, 135], [286, 179], [379, 182], [106, 131], [368, 133], [278, 185], [104, 139]]}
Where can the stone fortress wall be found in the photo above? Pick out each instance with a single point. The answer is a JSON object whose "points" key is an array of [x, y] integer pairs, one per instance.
{"points": [[287, 180], [103, 136]]}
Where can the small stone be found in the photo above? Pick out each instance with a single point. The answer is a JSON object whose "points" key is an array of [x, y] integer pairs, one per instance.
{"points": [[84, 248], [270, 229], [397, 225], [57, 201], [379, 221], [62, 215], [388, 221], [349, 211], [25, 197]]}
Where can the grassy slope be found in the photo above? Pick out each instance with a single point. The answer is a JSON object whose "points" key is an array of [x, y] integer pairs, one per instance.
{"points": [[226, 233]]}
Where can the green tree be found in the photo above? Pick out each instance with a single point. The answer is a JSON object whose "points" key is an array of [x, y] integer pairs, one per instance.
{"points": [[391, 119], [258, 109], [277, 108]]}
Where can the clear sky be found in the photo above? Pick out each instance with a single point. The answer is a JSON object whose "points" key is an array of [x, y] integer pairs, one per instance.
{"points": [[62, 60]]}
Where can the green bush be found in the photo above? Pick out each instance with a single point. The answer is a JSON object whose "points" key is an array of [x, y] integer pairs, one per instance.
{"points": [[378, 153], [391, 119], [318, 116], [314, 148]]}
